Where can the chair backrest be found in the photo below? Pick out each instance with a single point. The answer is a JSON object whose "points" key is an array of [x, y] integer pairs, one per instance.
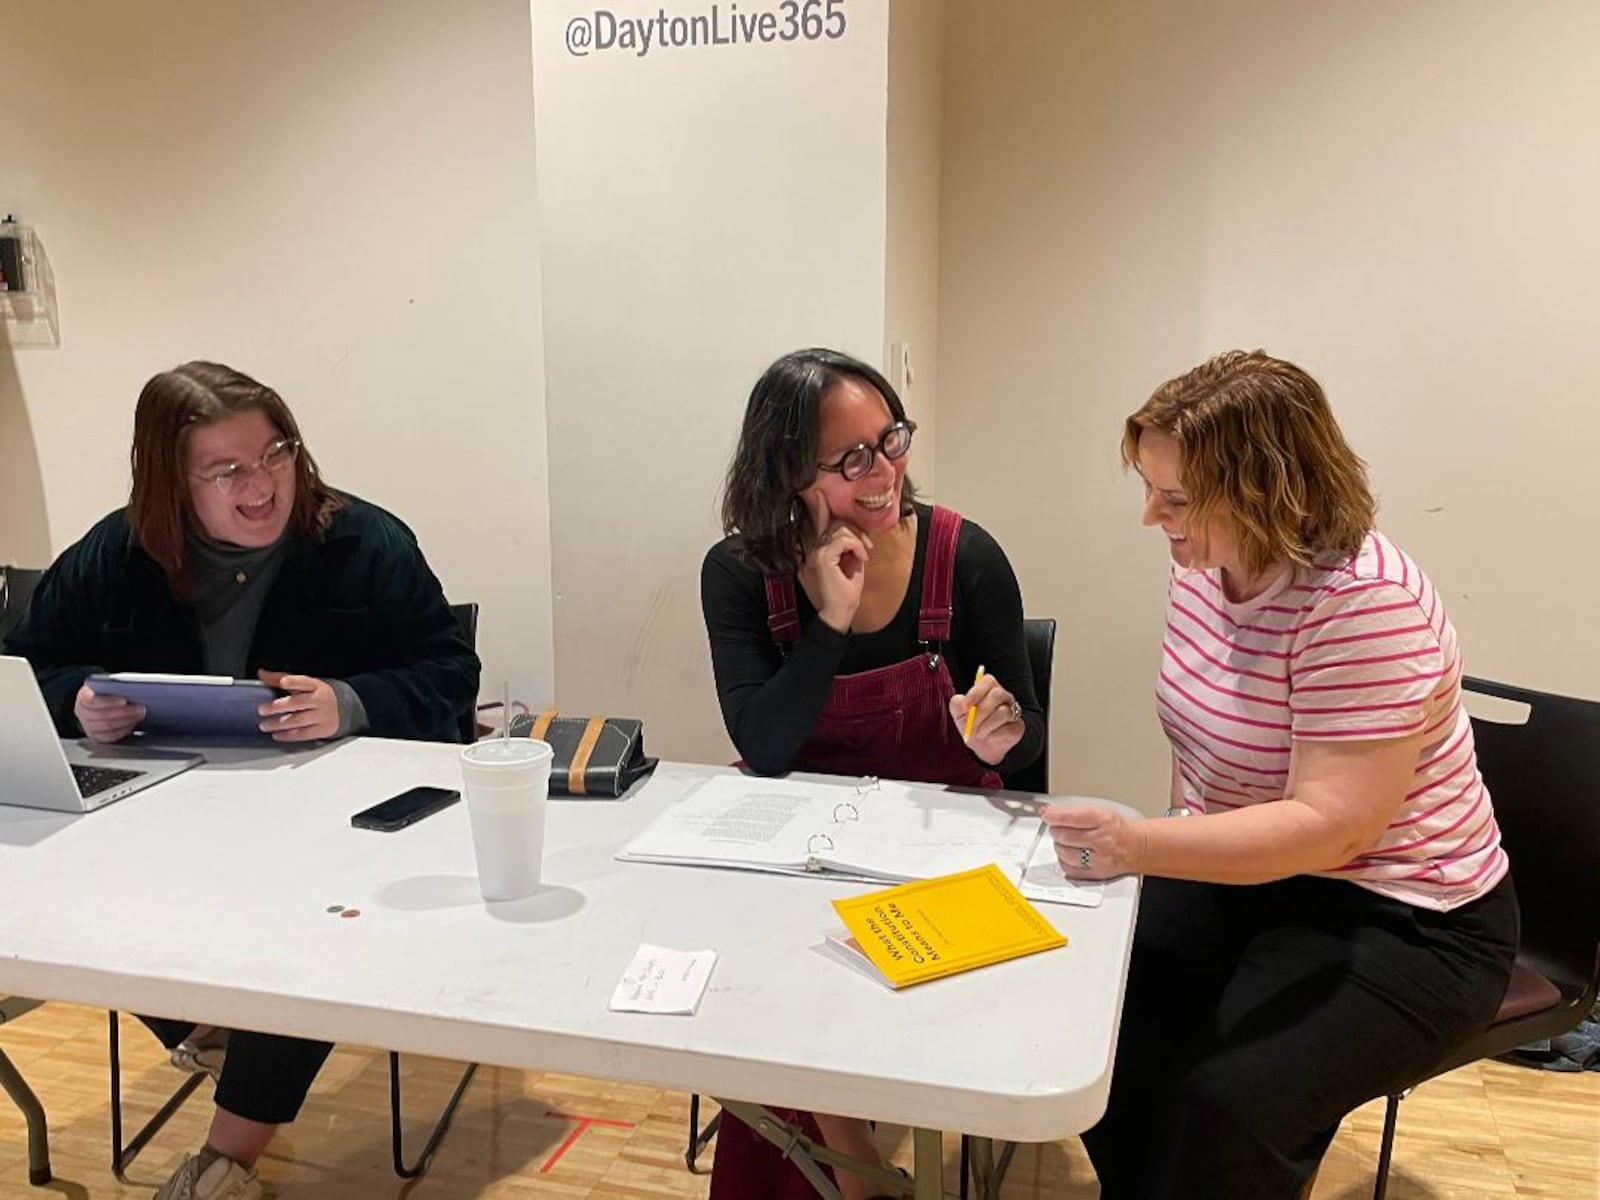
{"points": [[16, 589], [1040, 635], [467, 614], [1544, 779]]}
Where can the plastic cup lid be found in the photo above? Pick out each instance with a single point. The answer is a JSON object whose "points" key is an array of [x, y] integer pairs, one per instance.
{"points": [[506, 752]]}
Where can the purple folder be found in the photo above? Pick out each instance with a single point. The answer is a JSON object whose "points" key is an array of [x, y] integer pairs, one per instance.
{"points": [[191, 705]]}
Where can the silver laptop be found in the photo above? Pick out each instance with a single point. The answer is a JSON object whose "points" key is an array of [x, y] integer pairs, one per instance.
{"points": [[39, 770]]}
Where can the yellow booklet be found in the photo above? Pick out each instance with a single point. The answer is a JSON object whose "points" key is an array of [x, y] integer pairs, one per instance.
{"points": [[935, 927]]}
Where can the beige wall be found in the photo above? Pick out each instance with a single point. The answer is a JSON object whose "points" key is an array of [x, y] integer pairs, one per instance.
{"points": [[341, 199], [1399, 197], [703, 210], [911, 266], [24, 528], [337, 198]]}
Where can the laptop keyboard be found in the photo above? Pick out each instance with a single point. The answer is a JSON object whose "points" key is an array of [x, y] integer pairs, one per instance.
{"points": [[94, 780]]}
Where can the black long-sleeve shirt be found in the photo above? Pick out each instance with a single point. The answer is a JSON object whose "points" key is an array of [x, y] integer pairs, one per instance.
{"points": [[771, 704]]}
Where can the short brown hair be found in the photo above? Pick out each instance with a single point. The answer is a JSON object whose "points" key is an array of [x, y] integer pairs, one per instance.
{"points": [[173, 404], [1259, 439]]}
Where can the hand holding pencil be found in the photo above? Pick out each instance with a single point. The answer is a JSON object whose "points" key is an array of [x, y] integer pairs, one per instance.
{"points": [[989, 717]]}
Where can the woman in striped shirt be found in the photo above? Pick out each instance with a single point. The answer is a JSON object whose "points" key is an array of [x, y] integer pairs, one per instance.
{"points": [[1336, 914]]}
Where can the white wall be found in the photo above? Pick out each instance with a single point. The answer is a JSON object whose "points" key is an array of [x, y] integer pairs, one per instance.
{"points": [[703, 209], [337, 199], [912, 178], [1400, 197], [24, 529]]}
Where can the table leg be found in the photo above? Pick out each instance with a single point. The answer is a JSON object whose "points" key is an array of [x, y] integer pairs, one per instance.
{"points": [[984, 1181], [33, 1112], [440, 1128], [928, 1147], [122, 1156]]}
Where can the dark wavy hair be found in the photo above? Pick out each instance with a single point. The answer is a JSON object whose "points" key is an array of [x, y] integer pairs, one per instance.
{"points": [[777, 455], [170, 407], [1260, 443]]}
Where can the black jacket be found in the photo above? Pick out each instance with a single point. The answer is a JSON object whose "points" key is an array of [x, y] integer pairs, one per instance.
{"points": [[356, 603]]}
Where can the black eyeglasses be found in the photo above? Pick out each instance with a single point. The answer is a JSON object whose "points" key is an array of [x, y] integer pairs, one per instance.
{"points": [[858, 461], [277, 456]]}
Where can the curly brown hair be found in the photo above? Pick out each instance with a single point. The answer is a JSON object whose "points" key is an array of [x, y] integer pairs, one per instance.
{"points": [[1259, 441]]}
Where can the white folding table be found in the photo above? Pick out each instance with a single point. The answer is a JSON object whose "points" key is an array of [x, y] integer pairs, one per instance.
{"points": [[207, 898]]}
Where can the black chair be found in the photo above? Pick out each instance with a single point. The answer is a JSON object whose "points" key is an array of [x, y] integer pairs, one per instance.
{"points": [[16, 589], [122, 1156], [1039, 634], [467, 614], [1544, 778], [12, 1083]]}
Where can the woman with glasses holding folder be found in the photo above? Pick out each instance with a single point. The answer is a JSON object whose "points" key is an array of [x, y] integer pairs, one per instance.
{"points": [[234, 558], [841, 611]]}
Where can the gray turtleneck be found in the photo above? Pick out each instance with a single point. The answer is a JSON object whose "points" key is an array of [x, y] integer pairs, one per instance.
{"points": [[228, 586]]}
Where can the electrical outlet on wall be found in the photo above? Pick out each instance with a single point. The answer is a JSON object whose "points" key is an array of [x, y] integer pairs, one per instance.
{"points": [[901, 376]]}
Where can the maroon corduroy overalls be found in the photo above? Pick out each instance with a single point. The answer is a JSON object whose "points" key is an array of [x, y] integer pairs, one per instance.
{"points": [[893, 722]]}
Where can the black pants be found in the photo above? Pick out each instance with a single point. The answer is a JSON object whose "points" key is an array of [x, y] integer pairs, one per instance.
{"points": [[265, 1077], [1257, 1017]]}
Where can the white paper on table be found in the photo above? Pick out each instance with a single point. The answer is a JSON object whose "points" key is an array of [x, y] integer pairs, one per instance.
{"points": [[888, 832], [908, 839], [1043, 880], [659, 980]]}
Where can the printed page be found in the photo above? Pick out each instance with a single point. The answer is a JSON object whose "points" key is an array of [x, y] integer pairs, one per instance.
{"points": [[735, 820], [910, 832]]}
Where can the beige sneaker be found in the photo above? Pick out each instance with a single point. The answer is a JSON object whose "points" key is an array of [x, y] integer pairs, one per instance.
{"points": [[224, 1179]]}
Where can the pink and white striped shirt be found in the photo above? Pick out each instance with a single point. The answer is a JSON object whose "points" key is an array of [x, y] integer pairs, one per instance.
{"points": [[1355, 648]]}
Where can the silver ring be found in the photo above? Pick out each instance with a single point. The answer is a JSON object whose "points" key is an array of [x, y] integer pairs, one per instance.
{"points": [[1084, 857]]}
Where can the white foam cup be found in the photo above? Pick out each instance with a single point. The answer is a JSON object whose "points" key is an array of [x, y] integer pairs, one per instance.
{"points": [[507, 782]]}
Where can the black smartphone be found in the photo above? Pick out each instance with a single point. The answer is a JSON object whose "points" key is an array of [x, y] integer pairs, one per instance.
{"points": [[407, 808]]}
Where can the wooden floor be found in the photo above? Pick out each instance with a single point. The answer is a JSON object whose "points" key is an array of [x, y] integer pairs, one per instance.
{"points": [[1489, 1130]]}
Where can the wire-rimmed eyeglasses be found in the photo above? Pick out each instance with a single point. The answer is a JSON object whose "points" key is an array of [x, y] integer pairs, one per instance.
{"points": [[858, 461], [275, 458]]}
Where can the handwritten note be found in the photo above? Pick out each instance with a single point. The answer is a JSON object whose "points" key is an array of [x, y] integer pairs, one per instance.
{"points": [[659, 980]]}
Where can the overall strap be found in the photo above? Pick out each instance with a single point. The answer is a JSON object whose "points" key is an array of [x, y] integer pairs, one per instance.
{"points": [[783, 615], [939, 578]]}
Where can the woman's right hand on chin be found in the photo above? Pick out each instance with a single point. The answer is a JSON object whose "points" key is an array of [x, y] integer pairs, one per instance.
{"points": [[835, 568], [106, 718]]}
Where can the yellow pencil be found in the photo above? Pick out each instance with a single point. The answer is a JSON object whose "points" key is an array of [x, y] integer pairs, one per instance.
{"points": [[966, 735]]}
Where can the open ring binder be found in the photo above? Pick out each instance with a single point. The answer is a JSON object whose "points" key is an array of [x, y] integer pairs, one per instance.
{"points": [[857, 829]]}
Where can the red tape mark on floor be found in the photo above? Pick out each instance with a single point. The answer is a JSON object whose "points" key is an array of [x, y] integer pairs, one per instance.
{"points": [[583, 1126]]}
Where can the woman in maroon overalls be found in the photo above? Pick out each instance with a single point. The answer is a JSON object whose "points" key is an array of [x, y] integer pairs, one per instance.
{"points": [[840, 612]]}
